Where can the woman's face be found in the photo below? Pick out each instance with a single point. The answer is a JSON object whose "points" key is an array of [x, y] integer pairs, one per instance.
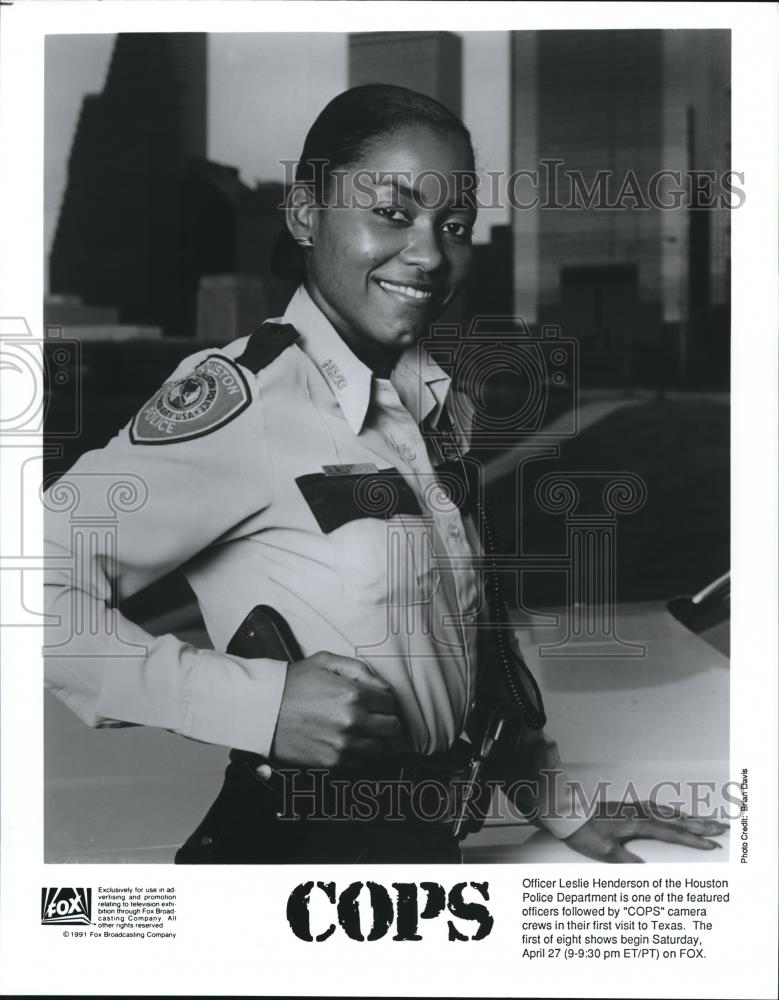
{"points": [[392, 246]]}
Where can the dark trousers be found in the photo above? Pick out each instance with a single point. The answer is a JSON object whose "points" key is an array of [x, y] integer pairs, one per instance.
{"points": [[242, 827]]}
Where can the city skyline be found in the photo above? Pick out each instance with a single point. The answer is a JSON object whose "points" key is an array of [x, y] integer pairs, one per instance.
{"points": [[611, 103], [138, 201], [240, 67]]}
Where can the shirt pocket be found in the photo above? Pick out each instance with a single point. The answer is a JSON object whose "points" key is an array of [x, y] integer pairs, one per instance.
{"points": [[380, 538], [386, 563]]}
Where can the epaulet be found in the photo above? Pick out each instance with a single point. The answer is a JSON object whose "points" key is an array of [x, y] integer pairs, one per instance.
{"points": [[266, 344]]}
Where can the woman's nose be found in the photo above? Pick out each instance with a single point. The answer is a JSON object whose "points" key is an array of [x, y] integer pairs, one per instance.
{"points": [[423, 250]]}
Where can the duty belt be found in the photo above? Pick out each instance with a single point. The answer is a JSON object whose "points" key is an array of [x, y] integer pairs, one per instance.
{"points": [[421, 790]]}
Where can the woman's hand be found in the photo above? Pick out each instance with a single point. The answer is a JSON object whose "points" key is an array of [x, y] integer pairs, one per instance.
{"points": [[334, 711], [603, 835]]}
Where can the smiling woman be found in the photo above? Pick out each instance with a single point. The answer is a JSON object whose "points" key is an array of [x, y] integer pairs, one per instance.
{"points": [[380, 217], [309, 480]]}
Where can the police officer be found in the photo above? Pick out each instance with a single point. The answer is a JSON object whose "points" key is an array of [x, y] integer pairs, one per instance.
{"points": [[292, 469]]}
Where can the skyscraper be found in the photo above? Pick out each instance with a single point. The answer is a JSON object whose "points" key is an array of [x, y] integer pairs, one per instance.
{"points": [[427, 61], [621, 106], [121, 226]]}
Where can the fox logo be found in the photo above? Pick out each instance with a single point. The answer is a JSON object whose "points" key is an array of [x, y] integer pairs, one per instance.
{"points": [[66, 906]]}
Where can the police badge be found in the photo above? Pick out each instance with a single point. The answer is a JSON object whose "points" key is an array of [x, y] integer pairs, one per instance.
{"points": [[197, 404]]}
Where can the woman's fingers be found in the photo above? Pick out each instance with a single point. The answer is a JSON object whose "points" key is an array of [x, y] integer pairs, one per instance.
{"points": [[383, 727], [603, 836], [355, 670], [710, 827], [705, 827], [619, 855], [646, 811], [362, 747], [691, 824], [664, 812], [671, 833]]}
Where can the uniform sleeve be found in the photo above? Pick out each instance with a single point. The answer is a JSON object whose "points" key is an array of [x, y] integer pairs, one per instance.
{"points": [[160, 492], [542, 790]]}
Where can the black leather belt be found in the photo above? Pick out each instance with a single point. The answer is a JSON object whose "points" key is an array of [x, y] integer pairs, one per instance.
{"points": [[420, 790]]}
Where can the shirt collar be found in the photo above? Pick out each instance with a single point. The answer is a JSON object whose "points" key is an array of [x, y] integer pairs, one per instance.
{"points": [[349, 379], [425, 389], [421, 384]]}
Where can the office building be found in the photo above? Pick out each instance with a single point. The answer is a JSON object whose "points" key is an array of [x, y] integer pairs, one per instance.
{"points": [[598, 115], [427, 61], [122, 227]]}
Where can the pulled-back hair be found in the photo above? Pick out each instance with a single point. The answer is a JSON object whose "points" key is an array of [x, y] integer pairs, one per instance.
{"points": [[343, 133]]}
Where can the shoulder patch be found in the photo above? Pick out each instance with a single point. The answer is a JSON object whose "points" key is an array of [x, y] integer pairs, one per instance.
{"points": [[266, 344], [207, 398]]}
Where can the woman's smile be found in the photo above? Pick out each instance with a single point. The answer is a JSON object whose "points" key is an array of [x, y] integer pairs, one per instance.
{"points": [[418, 295], [382, 269]]}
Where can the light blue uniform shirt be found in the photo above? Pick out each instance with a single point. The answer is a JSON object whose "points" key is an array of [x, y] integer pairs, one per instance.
{"points": [[401, 593]]}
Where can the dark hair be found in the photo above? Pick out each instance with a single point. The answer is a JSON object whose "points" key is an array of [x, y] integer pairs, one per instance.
{"points": [[344, 131]]}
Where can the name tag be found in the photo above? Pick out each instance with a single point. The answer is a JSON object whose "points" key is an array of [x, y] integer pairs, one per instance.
{"points": [[359, 469]]}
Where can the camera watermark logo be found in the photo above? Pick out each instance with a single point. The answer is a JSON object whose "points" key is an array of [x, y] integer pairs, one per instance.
{"points": [[35, 372], [40, 376], [66, 906], [505, 378]]}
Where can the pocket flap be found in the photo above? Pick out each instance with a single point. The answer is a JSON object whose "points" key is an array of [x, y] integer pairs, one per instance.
{"points": [[337, 500]]}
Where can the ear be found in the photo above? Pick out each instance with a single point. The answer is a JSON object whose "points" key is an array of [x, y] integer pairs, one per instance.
{"points": [[300, 214]]}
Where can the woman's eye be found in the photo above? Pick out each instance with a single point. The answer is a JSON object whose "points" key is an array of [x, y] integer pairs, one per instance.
{"points": [[459, 230], [392, 213]]}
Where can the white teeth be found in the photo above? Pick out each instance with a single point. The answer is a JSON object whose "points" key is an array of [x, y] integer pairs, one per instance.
{"points": [[411, 293]]}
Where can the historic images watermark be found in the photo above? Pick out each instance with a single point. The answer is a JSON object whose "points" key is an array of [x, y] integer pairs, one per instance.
{"points": [[316, 795], [545, 362], [551, 185]]}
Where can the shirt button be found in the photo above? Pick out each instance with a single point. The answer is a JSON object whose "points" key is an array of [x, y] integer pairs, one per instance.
{"points": [[454, 531]]}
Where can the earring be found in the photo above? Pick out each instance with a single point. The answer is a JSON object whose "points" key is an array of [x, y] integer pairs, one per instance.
{"points": [[304, 241]]}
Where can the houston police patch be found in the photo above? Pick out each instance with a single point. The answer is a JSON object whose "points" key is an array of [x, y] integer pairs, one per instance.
{"points": [[206, 399]]}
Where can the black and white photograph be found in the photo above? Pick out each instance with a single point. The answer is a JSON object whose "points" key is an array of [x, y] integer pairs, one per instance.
{"points": [[376, 488], [381, 486]]}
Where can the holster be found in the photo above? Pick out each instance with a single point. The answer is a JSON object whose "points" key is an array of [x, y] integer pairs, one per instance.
{"points": [[255, 801]]}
